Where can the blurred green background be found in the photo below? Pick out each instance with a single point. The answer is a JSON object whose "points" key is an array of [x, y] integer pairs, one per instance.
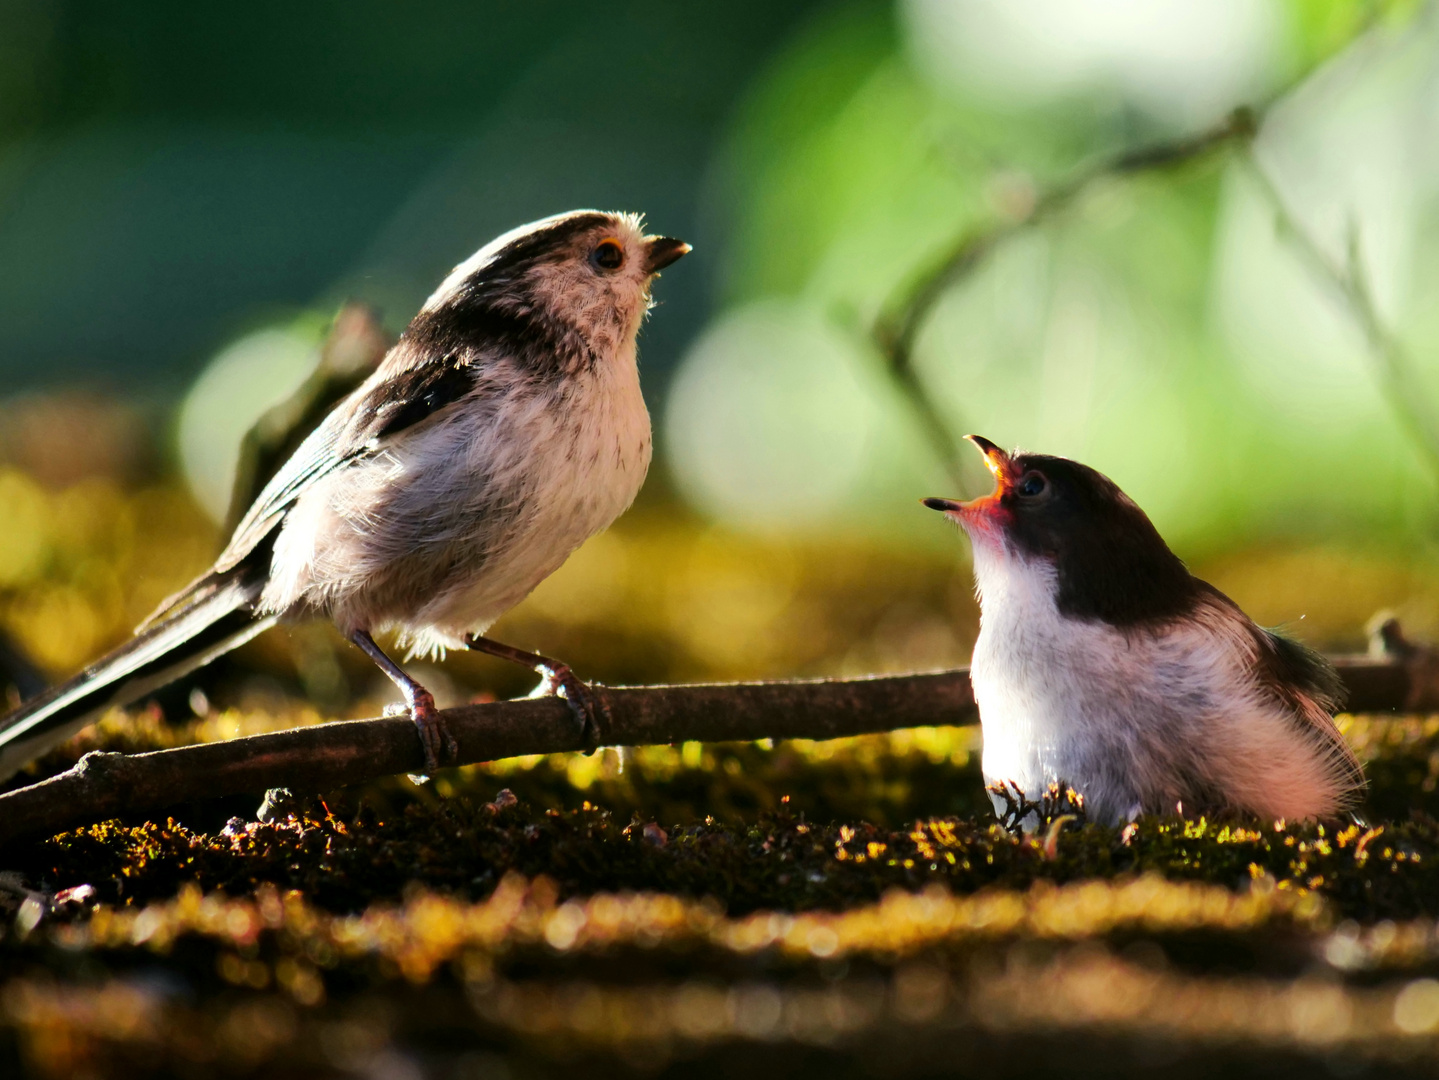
{"points": [[188, 194]]}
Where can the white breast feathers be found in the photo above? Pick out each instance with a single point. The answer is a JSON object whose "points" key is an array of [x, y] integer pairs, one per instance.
{"points": [[1138, 720]]}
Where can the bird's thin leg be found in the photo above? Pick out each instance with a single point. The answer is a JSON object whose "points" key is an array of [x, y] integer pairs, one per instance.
{"points": [[556, 678], [433, 735]]}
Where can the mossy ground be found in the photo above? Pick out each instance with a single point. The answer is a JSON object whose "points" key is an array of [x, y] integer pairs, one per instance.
{"points": [[846, 908], [849, 907]]}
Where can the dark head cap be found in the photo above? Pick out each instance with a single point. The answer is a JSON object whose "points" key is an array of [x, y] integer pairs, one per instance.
{"points": [[557, 295], [606, 244], [1110, 560]]}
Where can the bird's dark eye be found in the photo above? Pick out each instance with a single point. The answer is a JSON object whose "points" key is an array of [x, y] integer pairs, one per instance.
{"points": [[1031, 484], [608, 255]]}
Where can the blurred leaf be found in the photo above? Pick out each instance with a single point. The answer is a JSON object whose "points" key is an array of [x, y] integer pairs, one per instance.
{"points": [[1322, 28]]}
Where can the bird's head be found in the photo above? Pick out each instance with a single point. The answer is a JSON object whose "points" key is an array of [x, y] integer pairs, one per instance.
{"points": [[583, 276], [1073, 524]]}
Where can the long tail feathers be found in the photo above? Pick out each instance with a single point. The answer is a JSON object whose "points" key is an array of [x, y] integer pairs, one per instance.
{"points": [[212, 618]]}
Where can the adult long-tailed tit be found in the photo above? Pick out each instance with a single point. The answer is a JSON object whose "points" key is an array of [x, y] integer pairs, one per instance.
{"points": [[503, 429]]}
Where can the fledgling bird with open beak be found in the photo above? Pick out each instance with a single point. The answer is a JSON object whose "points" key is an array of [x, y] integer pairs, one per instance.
{"points": [[503, 429], [1103, 665]]}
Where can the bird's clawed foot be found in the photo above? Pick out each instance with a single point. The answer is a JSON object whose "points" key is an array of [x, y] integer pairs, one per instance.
{"points": [[587, 703], [435, 738]]}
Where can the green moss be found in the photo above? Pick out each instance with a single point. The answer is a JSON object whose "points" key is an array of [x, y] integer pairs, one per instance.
{"points": [[794, 827], [685, 900]]}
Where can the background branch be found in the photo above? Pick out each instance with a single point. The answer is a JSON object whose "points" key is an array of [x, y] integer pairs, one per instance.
{"points": [[328, 756], [352, 350], [1348, 282], [906, 312], [904, 315]]}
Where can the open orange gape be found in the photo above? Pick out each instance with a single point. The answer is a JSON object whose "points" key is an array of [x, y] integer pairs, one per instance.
{"points": [[1000, 465]]}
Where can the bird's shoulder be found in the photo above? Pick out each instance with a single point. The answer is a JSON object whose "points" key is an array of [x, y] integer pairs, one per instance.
{"points": [[1283, 668], [477, 343], [1296, 681], [404, 391], [409, 393]]}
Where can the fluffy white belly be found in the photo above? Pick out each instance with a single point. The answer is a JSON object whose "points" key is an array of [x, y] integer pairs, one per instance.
{"points": [[447, 529], [1051, 703], [574, 474], [578, 484], [1137, 722]]}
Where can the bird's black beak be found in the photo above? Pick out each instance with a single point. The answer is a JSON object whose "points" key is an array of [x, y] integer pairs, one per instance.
{"points": [[660, 251], [996, 460], [1000, 466]]}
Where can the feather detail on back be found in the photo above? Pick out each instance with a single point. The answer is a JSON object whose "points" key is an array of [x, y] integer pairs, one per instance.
{"points": [[466, 476], [1300, 682], [1206, 710]]}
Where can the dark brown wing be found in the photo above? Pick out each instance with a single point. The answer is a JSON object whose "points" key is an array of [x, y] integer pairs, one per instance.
{"points": [[1291, 665], [1299, 680]]}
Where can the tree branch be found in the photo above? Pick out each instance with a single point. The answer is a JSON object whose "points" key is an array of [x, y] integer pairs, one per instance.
{"points": [[327, 756], [1403, 391], [906, 312], [352, 350]]}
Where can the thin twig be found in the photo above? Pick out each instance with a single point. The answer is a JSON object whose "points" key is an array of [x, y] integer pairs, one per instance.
{"points": [[1403, 392], [903, 316], [907, 311], [328, 756]]}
